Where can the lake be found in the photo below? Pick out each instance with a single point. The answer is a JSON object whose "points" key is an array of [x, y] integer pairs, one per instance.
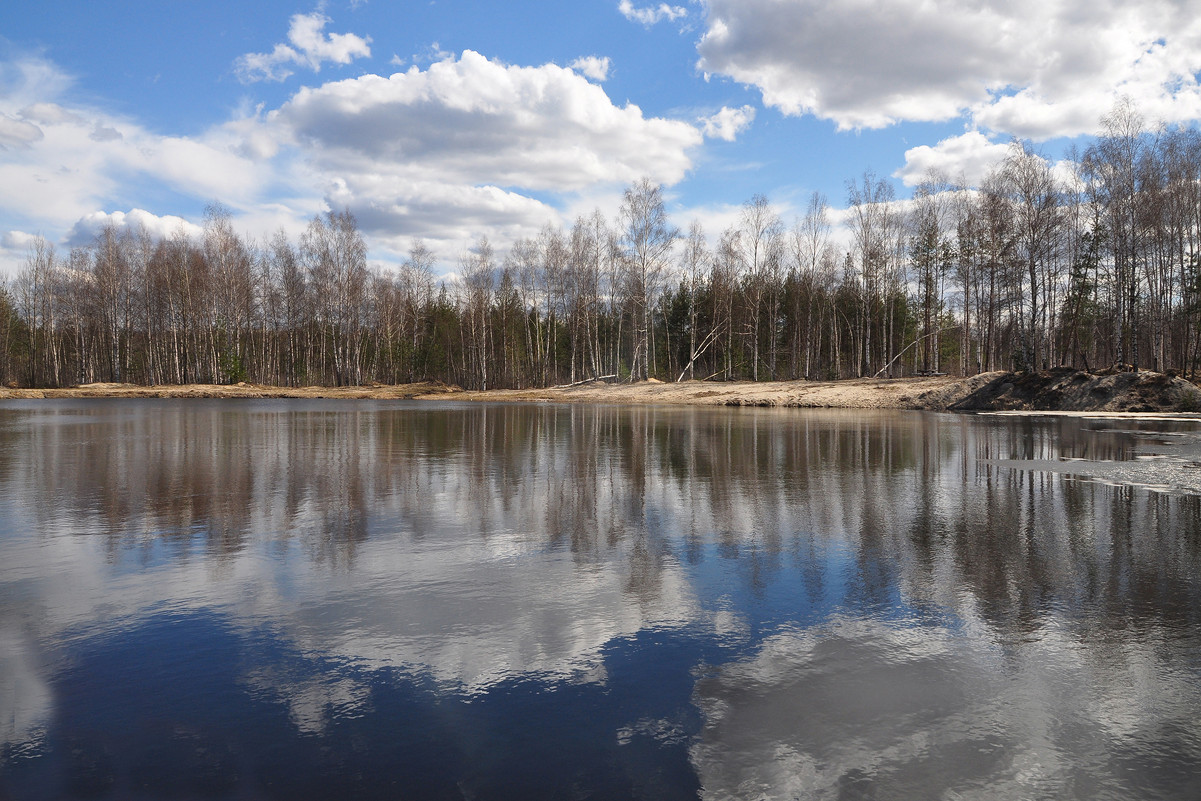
{"points": [[342, 600]]}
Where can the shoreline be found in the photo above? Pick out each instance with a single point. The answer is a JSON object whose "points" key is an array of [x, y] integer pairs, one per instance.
{"points": [[853, 393], [1062, 390]]}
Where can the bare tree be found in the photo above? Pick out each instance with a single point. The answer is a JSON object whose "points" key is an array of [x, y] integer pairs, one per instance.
{"points": [[930, 255], [335, 254], [647, 237], [477, 284], [1034, 197], [696, 262], [874, 227], [1111, 164], [809, 241], [760, 243]]}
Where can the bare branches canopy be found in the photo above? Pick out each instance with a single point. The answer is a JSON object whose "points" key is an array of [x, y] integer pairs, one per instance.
{"points": [[1092, 262]]}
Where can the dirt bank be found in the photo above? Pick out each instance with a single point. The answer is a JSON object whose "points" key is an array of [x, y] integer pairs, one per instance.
{"points": [[1073, 390], [1057, 390]]}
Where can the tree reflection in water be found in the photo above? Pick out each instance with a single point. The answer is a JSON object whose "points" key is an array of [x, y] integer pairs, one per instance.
{"points": [[766, 601]]}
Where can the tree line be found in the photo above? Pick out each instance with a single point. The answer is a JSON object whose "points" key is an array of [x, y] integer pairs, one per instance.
{"points": [[1091, 263]]}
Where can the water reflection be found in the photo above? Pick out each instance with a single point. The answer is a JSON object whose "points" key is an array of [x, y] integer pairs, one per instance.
{"points": [[858, 708], [311, 598]]}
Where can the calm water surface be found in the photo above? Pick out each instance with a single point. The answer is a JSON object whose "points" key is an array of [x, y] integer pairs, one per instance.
{"points": [[320, 600]]}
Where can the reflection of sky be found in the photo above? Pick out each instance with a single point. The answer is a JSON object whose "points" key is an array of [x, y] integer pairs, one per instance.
{"points": [[884, 577], [25, 699], [922, 711], [469, 613], [1135, 452]]}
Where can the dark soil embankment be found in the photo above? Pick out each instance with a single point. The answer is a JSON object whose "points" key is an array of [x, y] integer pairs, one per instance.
{"points": [[1066, 389]]}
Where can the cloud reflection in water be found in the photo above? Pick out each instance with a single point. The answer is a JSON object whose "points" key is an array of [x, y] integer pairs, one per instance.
{"points": [[800, 603]]}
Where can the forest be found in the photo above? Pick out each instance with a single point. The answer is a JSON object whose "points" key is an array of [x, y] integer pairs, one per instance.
{"points": [[1091, 263]]}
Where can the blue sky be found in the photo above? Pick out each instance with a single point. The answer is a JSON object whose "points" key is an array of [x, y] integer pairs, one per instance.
{"points": [[453, 119]]}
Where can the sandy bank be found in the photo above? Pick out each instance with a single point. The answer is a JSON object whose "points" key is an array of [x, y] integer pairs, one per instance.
{"points": [[861, 393], [374, 391], [908, 393], [1055, 390]]}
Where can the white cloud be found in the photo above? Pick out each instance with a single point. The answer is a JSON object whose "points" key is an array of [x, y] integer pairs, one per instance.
{"points": [[25, 81], [714, 219], [49, 114], [396, 209], [592, 67], [1028, 68], [860, 63], [16, 133], [14, 251], [653, 15], [449, 152], [728, 123], [481, 122], [17, 240], [308, 46], [462, 148], [85, 159], [87, 227], [970, 155]]}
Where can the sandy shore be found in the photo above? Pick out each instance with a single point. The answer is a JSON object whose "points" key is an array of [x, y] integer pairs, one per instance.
{"points": [[1054, 390], [863, 393], [906, 393], [241, 390]]}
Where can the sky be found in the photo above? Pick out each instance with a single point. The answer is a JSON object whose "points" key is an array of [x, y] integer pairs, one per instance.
{"points": [[448, 120]]}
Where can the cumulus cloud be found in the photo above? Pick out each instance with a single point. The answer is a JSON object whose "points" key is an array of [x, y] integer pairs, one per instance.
{"points": [[1027, 68], [86, 229], [451, 151], [308, 46], [482, 122], [970, 156], [652, 15], [592, 67], [465, 146], [728, 123], [17, 240], [397, 209]]}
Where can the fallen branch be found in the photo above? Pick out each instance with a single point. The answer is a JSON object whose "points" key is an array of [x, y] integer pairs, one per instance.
{"points": [[585, 381], [911, 344], [701, 348]]}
